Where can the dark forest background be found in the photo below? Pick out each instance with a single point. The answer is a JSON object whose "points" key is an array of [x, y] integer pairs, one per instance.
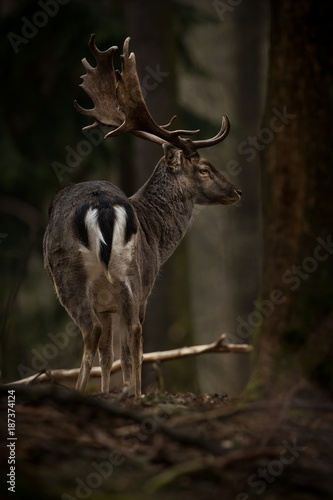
{"points": [[259, 271]]}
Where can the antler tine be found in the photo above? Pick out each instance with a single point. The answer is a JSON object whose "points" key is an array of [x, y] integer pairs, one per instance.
{"points": [[167, 125], [130, 98], [119, 102], [100, 84], [220, 136], [118, 99], [178, 132]]}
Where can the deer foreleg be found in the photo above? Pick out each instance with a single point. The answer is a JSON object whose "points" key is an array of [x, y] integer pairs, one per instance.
{"points": [[136, 359], [105, 350]]}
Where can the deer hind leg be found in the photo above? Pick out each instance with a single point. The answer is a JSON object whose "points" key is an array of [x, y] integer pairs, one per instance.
{"points": [[91, 331], [73, 290], [131, 356], [131, 349], [79, 307], [105, 350]]}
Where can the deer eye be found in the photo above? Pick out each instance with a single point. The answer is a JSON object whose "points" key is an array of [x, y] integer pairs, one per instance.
{"points": [[204, 171]]}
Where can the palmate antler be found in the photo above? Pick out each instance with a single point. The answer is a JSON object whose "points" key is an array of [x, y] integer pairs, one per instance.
{"points": [[119, 103]]}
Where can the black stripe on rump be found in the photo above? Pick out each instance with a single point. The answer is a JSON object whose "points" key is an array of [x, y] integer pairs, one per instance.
{"points": [[106, 219], [80, 224]]}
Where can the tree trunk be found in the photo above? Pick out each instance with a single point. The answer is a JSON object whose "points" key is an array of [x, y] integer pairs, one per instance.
{"points": [[293, 323]]}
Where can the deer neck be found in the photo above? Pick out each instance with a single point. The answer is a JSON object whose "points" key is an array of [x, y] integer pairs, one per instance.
{"points": [[163, 210]]}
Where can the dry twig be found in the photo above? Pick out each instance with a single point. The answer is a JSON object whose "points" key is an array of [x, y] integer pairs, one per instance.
{"points": [[218, 346]]}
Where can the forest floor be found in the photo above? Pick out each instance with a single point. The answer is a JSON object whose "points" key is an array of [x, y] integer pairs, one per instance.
{"points": [[165, 446]]}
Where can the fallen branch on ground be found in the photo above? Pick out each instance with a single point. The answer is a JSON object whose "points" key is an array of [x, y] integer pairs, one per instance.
{"points": [[151, 357]]}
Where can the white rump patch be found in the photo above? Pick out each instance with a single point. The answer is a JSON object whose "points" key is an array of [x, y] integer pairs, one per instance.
{"points": [[118, 241], [121, 254], [94, 232], [95, 237]]}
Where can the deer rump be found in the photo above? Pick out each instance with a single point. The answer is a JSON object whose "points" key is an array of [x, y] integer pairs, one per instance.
{"points": [[104, 223]]}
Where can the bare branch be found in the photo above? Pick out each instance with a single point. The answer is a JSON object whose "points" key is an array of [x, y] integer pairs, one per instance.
{"points": [[218, 346]]}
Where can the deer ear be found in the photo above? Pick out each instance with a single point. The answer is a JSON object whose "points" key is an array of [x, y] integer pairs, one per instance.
{"points": [[171, 155]]}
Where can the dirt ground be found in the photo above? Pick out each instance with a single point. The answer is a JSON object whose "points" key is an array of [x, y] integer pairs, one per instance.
{"points": [[166, 446]]}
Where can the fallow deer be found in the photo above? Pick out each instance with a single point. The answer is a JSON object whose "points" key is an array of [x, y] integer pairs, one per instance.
{"points": [[102, 250]]}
